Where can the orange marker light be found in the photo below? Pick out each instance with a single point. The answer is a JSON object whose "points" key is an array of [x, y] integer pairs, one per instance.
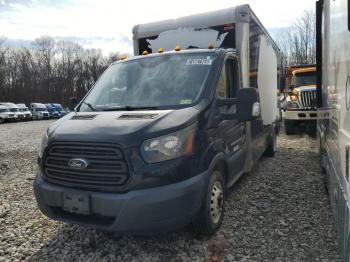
{"points": [[122, 57], [160, 50], [210, 46], [189, 145], [145, 52], [177, 48]]}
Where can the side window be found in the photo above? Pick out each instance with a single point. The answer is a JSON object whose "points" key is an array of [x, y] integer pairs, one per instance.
{"points": [[233, 77], [221, 90], [349, 15], [229, 81]]}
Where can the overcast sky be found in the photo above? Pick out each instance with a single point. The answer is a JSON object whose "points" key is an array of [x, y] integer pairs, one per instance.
{"points": [[107, 24]]}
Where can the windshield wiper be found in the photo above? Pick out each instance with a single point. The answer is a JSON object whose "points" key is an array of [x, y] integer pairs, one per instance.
{"points": [[90, 106], [130, 108]]}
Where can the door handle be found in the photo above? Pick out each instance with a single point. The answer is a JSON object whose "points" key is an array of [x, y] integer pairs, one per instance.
{"points": [[347, 149], [347, 92]]}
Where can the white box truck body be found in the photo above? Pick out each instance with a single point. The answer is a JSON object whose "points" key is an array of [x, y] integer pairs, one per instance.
{"points": [[333, 96]]}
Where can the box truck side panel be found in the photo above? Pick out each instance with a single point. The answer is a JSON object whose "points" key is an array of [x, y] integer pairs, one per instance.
{"points": [[267, 81], [334, 132]]}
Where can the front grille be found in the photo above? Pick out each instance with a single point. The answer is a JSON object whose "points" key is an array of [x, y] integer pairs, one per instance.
{"points": [[307, 98], [107, 168]]}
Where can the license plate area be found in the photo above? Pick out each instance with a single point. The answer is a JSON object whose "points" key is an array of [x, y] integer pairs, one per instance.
{"points": [[78, 203]]}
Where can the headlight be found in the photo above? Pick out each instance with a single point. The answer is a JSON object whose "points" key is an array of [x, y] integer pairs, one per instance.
{"points": [[43, 145], [292, 105], [294, 97], [169, 146]]}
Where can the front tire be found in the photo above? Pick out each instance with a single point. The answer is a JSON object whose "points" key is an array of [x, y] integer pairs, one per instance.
{"points": [[289, 127], [271, 147], [210, 216]]}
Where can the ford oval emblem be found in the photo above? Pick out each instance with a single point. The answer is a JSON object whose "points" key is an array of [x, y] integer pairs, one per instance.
{"points": [[77, 163]]}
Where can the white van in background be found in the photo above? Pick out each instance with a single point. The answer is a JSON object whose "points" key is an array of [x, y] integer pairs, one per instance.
{"points": [[39, 111], [6, 115], [24, 109], [14, 109]]}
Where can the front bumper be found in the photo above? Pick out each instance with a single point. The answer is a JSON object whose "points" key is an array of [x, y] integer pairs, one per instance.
{"points": [[157, 209], [11, 119], [300, 115]]}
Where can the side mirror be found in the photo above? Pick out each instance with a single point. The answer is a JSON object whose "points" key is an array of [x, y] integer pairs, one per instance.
{"points": [[247, 105], [73, 102], [282, 83]]}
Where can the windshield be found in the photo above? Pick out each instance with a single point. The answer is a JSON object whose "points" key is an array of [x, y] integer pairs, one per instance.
{"points": [[40, 109], [14, 109], [2, 110], [160, 81], [305, 79], [59, 107], [51, 109]]}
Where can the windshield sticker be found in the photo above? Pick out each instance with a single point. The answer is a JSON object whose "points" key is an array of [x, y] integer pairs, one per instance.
{"points": [[185, 101], [199, 61]]}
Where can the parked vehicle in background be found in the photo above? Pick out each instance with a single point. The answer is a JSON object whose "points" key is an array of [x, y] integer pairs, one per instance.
{"points": [[6, 115], [300, 104], [24, 109], [60, 109], [52, 111], [39, 111], [333, 129], [14, 109], [160, 137]]}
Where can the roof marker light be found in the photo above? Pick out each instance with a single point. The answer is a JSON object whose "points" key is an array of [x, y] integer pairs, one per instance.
{"points": [[145, 52], [160, 50], [122, 57], [177, 48], [210, 46]]}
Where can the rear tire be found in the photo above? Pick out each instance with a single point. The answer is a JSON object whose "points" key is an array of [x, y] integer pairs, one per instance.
{"points": [[210, 216], [289, 127], [271, 147]]}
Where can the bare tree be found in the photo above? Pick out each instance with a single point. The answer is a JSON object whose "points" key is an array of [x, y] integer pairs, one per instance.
{"points": [[50, 71], [298, 42]]}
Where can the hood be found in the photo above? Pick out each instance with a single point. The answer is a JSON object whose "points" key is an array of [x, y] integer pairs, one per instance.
{"points": [[310, 87], [126, 128]]}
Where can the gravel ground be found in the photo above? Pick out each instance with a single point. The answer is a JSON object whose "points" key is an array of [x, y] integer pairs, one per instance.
{"points": [[278, 212]]}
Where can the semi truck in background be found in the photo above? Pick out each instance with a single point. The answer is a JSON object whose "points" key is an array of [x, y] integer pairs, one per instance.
{"points": [[156, 142], [333, 97], [39, 111], [300, 106]]}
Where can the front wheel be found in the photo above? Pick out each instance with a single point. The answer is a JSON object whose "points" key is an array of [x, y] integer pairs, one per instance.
{"points": [[211, 214], [289, 127], [271, 146]]}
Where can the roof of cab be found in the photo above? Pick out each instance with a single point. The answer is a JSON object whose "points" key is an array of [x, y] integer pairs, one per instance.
{"points": [[21, 105], [182, 51], [8, 104], [304, 70], [37, 104]]}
